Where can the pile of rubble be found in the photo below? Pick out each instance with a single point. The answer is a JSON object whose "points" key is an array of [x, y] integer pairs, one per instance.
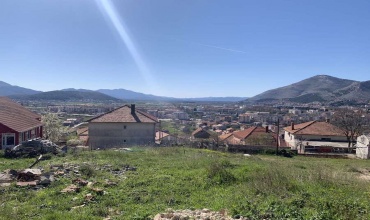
{"points": [[27, 177], [204, 214], [37, 178], [32, 148]]}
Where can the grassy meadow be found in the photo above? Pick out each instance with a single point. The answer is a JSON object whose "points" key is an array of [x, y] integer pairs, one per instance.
{"points": [[259, 186]]}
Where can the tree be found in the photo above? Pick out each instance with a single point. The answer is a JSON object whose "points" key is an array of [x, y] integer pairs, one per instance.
{"points": [[53, 128], [351, 122]]}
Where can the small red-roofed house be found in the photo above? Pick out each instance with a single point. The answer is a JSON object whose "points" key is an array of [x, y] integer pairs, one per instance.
{"points": [[201, 133], [255, 135], [17, 124], [121, 127]]}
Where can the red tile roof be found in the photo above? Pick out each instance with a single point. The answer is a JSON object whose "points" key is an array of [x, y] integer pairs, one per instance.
{"points": [[224, 136], [123, 114], [202, 132], [17, 117], [244, 133], [197, 131], [253, 132], [315, 128]]}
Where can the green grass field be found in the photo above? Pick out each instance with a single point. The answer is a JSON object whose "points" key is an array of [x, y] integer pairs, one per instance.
{"points": [[259, 187]]}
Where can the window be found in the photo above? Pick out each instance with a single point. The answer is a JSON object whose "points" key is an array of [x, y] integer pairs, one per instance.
{"points": [[124, 127], [8, 140], [33, 133], [124, 141]]}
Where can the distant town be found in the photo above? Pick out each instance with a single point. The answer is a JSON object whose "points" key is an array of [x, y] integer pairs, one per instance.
{"points": [[99, 121]]}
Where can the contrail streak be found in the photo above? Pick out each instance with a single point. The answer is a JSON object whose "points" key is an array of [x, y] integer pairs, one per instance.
{"points": [[108, 9], [221, 48]]}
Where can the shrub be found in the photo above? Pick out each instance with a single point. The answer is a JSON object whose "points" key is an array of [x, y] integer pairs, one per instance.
{"points": [[74, 142], [218, 172], [87, 170]]}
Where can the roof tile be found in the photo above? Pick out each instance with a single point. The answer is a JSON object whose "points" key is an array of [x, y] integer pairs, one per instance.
{"points": [[17, 117], [123, 114]]}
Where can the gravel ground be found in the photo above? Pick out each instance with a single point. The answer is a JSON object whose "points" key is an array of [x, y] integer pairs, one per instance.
{"points": [[187, 214]]}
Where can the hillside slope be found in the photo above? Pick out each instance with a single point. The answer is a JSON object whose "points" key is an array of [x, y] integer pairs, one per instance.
{"points": [[8, 90], [321, 88], [68, 96]]}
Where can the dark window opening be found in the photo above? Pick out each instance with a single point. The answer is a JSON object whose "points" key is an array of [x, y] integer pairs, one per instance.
{"points": [[10, 140]]}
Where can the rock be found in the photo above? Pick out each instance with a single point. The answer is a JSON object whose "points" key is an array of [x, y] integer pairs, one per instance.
{"points": [[12, 172], [71, 188], [90, 184], [80, 182], [59, 173], [30, 183], [6, 178], [28, 175], [157, 217], [89, 197], [98, 191], [110, 183], [205, 210], [36, 172], [32, 148], [44, 181], [80, 206]]}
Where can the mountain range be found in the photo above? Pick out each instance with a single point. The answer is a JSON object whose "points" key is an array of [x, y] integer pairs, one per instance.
{"points": [[320, 88], [71, 94], [8, 90], [67, 96]]}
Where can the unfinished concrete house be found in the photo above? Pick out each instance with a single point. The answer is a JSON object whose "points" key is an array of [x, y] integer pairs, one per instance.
{"points": [[124, 126]]}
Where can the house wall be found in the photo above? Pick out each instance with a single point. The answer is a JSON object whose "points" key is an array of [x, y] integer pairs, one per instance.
{"points": [[6, 130], [290, 140], [106, 135], [293, 140], [30, 134], [363, 147], [20, 136]]}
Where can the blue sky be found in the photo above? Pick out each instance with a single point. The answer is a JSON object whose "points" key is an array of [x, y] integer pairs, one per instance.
{"points": [[192, 48]]}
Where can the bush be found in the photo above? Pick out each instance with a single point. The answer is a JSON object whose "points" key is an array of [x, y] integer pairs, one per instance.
{"points": [[218, 172], [87, 170], [74, 142]]}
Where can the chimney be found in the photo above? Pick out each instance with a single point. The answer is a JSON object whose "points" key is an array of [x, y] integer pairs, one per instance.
{"points": [[132, 109], [292, 125]]}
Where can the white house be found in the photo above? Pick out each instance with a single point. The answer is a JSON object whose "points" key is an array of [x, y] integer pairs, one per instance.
{"points": [[121, 127], [363, 147], [314, 134]]}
